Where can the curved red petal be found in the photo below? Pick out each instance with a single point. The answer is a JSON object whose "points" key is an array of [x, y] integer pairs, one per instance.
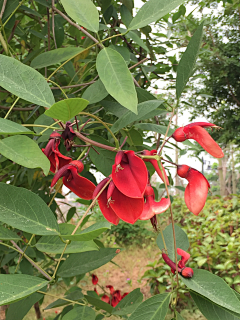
{"points": [[205, 140], [182, 170], [201, 124], [196, 191], [158, 170], [64, 171], [81, 186], [105, 298], [185, 256], [147, 212], [161, 206], [127, 209], [99, 187], [105, 208], [179, 135], [132, 177]]}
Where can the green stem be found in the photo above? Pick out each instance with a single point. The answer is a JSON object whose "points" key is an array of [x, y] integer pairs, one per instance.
{"points": [[39, 125], [49, 127], [165, 137], [12, 13], [104, 124], [83, 153], [20, 259], [60, 186], [56, 269], [11, 108], [53, 295], [58, 87]]}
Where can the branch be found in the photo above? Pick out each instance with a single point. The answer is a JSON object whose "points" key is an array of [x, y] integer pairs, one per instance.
{"points": [[18, 109], [94, 143], [53, 25], [78, 27], [3, 8], [74, 85]]}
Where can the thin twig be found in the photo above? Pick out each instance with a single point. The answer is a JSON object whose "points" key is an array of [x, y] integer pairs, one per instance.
{"points": [[74, 85], [53, 26], [137, 64], [48, 27], [18, 109], [3, 8]]}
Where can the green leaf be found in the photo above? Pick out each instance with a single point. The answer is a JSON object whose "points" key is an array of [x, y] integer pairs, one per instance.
{"points": [[188, 60], [18, 310], [116, 78], [11, 128], [66, 109], [87, 234], [181, 240], [83, 12], [80, 263], [129, 303], [54, 245], [49, 58], [81, 312], [24, 210], [213, 288], [43, 120], [178, 316], [133, 35], [6, 234], [96, 302], [143, 109], [211, 310], [76, 295], [24, 82], [15, 287], [180, 188], [24, 151], [124, 52], [144, 95], [151, 11], [9, 8], [155, 128], [95, 92], [154, 308]]}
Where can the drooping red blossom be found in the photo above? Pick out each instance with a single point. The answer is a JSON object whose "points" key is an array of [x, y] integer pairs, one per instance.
{"points": [[196, 190], [68, 135], [114, 301], [55, 157], [186, 272], [117, 294], [155, 164], [114, 205], [129, 174], [94, 279], [81, 186], [110, 288], [196, 132], [105, 298], [151, 207]]}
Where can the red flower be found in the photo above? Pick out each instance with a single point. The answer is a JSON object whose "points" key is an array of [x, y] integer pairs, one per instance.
{"points": [[151, 207], [195, 131], [57, 159], [94, 279], [197, 189], [68, 135], [129, 174], [186, 272], [117, 294], [81, 186], [155, 164], [115, 205], [105, 298], [114, 301], [110, 288]]}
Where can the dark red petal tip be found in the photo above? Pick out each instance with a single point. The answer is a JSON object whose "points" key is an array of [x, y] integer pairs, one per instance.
{"points": [[55, 135], [182, 170]]}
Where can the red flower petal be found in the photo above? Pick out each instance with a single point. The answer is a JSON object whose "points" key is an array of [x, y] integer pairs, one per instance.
{"points": [[184, 257], [126, 208], [205, 140], [105, 298], [114, 301], [94, 279], [152, 207], [201, 124], [64, 171], [110, 288], [187, 272], [197, 189], [130, 177], [106, 209], [81, 186], [117, 294]]}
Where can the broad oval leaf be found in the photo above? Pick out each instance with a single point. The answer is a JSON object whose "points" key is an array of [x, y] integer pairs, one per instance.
{"points": [[74, 296], [129, 303], [143, 108], [24, 151], [96, 302], [24, 210], [6, 234], [151, 11], [153, 308], [11, 128], [213, 288], [15, 287], [83, 12], [87, 234], [211, 310], [116, 78], [154, 127], [49, 58], [181, 240], [24, 82], [80, 263], [81, 312], [188, 60], [54, 245], [66, 109], [178, 316], [95, 92]]}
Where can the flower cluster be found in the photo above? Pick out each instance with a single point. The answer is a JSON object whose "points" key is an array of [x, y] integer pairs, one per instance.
{"points": [[115, 295], [129, 195]]}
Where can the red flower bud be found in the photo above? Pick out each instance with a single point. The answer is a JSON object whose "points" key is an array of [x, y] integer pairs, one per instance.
{"points": [[195, 131], [187, 272], [81, 186], [196, 190], [94, 279]]}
